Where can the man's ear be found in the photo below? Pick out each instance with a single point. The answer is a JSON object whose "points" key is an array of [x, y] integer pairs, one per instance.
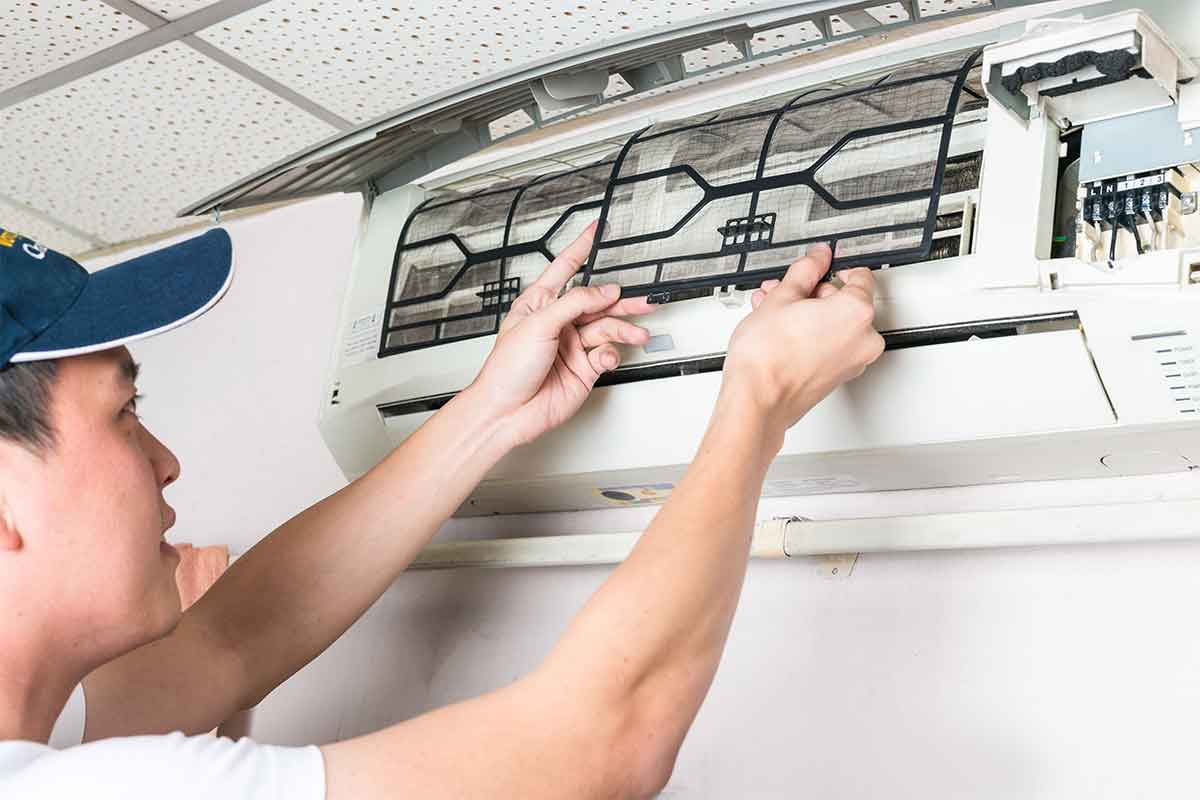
{"points": [[10, 537]]}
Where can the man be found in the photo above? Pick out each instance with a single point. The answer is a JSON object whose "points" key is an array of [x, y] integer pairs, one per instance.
{"points": [[88, 593]]}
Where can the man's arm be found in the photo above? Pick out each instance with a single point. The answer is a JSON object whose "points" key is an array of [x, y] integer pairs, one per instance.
{"points": [[606, 713], [301, 587]]}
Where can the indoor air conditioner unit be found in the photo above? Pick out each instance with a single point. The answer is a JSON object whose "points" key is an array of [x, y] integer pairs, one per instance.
{"points": [[1024, 186]]}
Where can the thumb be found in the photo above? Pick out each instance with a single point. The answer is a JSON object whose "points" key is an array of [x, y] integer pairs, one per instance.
{"points": [[806, 272], [573, 305]]}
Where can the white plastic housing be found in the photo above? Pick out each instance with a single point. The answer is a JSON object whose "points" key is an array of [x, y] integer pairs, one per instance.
{"points": [[1091, 399], [1050, 41]]}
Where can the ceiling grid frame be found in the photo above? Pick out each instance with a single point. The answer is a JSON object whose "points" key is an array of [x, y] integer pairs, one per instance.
{"points": [[144, 42], [41, 35], [183, 121], [453, 124], [43, 228], [153, 24], [152, 20]]}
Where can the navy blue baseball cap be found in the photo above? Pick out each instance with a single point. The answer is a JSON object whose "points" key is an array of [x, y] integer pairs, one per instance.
{"points": [[51, 307]]}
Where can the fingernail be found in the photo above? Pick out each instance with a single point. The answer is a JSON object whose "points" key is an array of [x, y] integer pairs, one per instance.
{"points": [[817, 247], [609, 360], [611, 290]]}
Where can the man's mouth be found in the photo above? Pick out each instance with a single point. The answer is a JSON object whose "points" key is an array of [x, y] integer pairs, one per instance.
{"points": [[168, 519]]}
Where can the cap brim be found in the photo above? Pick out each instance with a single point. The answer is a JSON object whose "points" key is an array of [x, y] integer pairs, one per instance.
{"points": [[139, 298]]}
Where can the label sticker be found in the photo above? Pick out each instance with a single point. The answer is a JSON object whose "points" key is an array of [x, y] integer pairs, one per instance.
{"points": [[822, 484], [1141, 183], [362, 338], [636, 495]]}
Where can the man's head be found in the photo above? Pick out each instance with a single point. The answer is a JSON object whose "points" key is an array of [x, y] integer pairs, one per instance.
{"points": [[82, 515], [85, 574], [25, 403]]}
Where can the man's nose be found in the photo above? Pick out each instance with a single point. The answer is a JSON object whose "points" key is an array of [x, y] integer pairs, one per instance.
{"points": [[166, 465]]}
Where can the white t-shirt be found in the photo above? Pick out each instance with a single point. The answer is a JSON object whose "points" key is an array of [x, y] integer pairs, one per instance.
{"points": [[151, 767]]}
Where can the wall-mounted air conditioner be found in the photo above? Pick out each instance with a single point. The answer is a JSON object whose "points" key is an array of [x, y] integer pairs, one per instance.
{"points": [[1024, 188]]}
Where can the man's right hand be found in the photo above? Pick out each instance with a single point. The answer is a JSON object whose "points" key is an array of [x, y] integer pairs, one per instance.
{"points": [[803, 339], [605, 713]]}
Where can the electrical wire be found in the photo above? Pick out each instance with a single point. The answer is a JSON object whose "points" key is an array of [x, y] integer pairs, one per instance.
{"points": [[1132, 225], [1153, 229]]}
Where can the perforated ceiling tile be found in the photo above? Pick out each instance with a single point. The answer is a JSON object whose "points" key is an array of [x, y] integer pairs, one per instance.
{"points": [[932, 8], [697, 80], [26, 223], [174, 9], [509, 123], [889, 13], [839, 26], [119, 152], [710, 56], [785, 36], [617, 86], [37, 37], [364, 59]]}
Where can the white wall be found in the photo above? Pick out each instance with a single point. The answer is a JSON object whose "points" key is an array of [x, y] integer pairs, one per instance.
{"points": [[234, 393], [1061, 672]]}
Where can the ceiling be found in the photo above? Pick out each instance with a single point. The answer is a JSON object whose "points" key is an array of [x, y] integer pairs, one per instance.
{"points": [[114, 114]]}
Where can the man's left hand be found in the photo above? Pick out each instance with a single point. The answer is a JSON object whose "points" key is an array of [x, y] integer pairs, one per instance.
{"points": [[551, 349]]}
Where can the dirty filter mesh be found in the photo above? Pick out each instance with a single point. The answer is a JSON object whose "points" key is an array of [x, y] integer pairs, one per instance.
{"points": [[718, 199]]}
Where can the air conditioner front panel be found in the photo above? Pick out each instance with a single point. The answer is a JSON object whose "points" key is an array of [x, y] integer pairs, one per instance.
{"points": [[985, 388]]}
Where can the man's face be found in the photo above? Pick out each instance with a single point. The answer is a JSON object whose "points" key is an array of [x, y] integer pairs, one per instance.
{"points": [[91, 513]]}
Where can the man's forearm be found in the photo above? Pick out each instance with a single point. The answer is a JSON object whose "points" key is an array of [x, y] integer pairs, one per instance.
{"points": [[295, 592], [652, 636], [605, 713]]}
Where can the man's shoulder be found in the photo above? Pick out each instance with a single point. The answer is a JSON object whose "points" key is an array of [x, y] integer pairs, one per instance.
{"points": [[138, 767], [18, 755]]}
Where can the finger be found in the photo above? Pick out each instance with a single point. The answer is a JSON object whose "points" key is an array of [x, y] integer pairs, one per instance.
{"points": [[611, 329], [604, 358], [757, 298], [876, 344], [825, 290], [521, 308], [628, 307], [861, 281], [574, 304], [804, 274], [531, 300], [767, 286], [563, 268]]}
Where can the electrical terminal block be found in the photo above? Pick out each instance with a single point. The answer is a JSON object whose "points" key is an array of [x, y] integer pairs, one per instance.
{"points": [[1134, 215]]}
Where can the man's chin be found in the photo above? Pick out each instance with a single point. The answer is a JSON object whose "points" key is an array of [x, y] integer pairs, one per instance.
{"points": [[169, 607], [168, 619]]}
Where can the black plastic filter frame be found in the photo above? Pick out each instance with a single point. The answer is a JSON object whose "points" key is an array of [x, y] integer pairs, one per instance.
{"points": [[740, 236]]}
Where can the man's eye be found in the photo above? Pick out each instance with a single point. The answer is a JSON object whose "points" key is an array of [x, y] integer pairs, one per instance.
{"points": [[131, 406]]}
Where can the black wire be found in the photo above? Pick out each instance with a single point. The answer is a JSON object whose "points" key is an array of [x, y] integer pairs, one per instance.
{"points": [[1112, 248], [1131, 221]]}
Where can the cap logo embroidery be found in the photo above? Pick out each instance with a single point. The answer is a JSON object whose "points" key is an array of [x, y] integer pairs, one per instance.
{"points": [[7, 238], [34, 250]]}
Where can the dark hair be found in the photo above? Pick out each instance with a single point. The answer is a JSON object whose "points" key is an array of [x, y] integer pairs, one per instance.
{"points": [[25, 404]]}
